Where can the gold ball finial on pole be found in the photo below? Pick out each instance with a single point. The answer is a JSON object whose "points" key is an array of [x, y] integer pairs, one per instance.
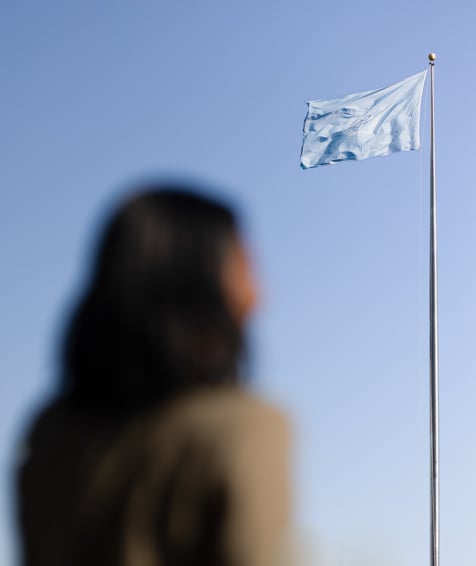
{"points": [[432, 57]]}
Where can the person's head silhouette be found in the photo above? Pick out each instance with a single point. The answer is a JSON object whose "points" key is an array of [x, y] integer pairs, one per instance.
{"points": [[165, 305]]}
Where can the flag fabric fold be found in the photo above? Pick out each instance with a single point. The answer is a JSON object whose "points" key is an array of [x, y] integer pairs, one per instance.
{"points": [[365, 124]]}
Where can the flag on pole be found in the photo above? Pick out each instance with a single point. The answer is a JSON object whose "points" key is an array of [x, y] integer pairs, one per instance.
{"points": [[364, 124]]}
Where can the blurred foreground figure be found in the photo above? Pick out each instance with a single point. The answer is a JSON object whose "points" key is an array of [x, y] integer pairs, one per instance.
{"points": [[152, 453]]}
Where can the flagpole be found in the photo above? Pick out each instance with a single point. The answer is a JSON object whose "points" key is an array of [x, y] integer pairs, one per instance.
{"points": [[434, 401]]}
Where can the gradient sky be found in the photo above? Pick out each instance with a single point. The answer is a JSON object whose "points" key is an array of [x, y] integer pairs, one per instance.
{"points": [[98, 94]]}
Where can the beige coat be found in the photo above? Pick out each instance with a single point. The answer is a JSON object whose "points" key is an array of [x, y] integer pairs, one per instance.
{"points": [[201, 482]]}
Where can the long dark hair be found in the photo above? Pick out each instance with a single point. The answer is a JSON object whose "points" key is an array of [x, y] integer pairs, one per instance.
{"points": [[154, 321]]}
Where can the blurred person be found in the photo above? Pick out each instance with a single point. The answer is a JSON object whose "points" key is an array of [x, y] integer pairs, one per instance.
{"points": [[153, 452]]}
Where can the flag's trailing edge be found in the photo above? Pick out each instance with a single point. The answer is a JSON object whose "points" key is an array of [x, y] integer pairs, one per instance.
{"points": [[365, 124]]}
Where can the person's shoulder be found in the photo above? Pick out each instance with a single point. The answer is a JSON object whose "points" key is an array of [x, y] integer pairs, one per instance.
{"points": [[46, 420], [221, 420], [225, 406]]}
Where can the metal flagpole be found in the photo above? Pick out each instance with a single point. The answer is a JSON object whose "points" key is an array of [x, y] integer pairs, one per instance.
{"points": [[434, 409]]}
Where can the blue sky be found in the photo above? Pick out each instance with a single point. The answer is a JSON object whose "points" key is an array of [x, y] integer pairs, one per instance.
{"points": [[96, 95]]}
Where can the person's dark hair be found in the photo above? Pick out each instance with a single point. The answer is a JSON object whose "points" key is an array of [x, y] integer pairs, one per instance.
{"points": [[154, 320]]}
